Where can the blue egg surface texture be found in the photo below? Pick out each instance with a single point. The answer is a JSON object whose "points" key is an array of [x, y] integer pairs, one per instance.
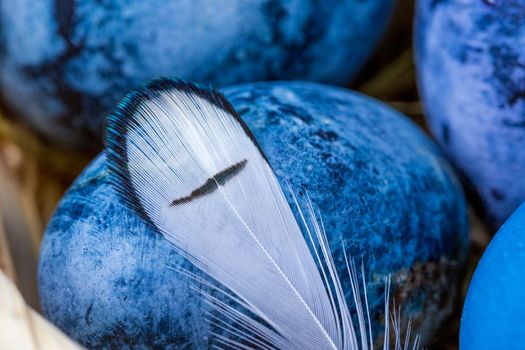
{"points": [[495, 304], [64, 64], [471, 73], [382, 187]]}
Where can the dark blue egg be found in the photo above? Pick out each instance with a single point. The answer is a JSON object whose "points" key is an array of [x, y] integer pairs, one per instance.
{"points": [[64, 63], [495, 304], [471, 66], [380, 184]]}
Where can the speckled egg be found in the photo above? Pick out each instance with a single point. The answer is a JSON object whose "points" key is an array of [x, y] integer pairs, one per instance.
{"points": [[471, 66], [382, 187], [495, 305], [64, 64]]}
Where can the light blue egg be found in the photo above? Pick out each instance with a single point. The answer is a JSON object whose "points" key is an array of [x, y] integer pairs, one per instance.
{"points": [[471, 73], [495, 305], [64, 64], [382, 187]]}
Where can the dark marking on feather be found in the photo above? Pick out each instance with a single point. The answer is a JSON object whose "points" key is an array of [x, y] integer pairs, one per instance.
{"points": [[123, 119], [212, 183]]}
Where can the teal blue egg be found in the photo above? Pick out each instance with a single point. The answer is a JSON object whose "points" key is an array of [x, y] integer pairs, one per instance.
{"points": [[495, 304], [384, 190]]}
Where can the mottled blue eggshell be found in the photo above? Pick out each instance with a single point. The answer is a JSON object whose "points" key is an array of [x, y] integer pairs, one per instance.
{"points": [[471, 72], [382, 187], [495, 304], [64, 64]]}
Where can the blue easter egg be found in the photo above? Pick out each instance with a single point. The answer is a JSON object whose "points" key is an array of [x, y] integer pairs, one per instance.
{"points": [[64, 64], [471, 72], [383, 189], [495, 304]]}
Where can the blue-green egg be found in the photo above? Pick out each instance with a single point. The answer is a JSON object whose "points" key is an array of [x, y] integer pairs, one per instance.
{"points": [[64, 64], [471, 74], [383, 189], [495, 304]]}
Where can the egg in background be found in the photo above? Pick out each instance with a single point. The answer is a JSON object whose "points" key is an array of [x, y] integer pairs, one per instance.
{"points": [[495, 304], [471, 73], [64, 64]]}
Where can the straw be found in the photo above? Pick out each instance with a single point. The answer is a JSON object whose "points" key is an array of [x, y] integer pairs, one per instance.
{"points": [[22, 328]]}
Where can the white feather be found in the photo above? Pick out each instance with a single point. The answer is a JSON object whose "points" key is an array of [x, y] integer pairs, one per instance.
{"points": [[188, 164]]}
